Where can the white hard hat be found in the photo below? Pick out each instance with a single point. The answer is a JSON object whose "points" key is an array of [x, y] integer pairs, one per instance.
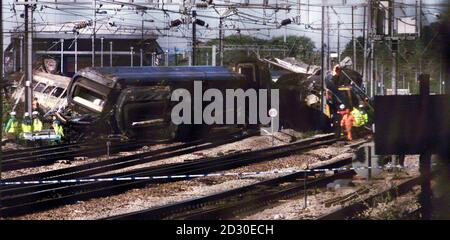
{"points": [[35, 113], [361, 106], [342, 106], [26, 114], [12, 113]]}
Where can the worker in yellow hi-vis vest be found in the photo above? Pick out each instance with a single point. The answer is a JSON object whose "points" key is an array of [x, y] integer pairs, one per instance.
{"points": [[360, 116], [357, 115], [12, 129], [26, 123], [37, 123], [364, 115], [59, 131]]}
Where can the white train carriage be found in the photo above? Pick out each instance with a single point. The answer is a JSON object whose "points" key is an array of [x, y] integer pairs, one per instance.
{"points": [[49, 89]]}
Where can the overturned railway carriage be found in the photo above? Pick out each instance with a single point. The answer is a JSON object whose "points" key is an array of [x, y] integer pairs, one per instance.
{"points": [[49, 89], [299, 102], [136, 101], [302, 92]]}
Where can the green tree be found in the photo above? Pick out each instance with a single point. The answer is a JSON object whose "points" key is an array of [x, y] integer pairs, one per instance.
{"points": [[299, 47], [422, 54], [348, 52]]}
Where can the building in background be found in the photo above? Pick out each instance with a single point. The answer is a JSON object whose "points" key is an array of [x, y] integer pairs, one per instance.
{"points": [[67, 48]]}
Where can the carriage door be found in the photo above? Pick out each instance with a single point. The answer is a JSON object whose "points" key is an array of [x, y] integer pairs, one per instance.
{"points": [[249, 71], [140, 110], [252, 81]]}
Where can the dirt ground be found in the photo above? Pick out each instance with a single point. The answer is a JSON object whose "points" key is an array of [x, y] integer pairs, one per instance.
{"points": [[293, 209], [11, 146], [80, 160]]}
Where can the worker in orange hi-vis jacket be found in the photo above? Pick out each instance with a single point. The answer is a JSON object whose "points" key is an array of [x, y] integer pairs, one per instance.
{"points": [[347, 123]]}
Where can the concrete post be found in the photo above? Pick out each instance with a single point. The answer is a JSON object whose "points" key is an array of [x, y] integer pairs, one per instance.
{"points": [[76, 54], [101, 51], [131, 56], [166, 59], [61, 63], [110, 53], [213, 60]]}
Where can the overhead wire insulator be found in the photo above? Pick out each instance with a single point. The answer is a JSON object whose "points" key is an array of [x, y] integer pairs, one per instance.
{"points": [[176, 23], [287, 21], [201, 23], [201, 5], [81, 25], [112, 23]]}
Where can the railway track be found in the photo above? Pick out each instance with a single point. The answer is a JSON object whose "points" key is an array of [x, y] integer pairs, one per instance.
{"points": [[102, 167], [32, 150], [351, 210], [25, 201], [48, 155], [232, 203]]}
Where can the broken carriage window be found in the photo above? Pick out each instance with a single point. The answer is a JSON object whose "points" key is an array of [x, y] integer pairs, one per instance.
{"points": [[48, 89], [58, 91], [64, 93], [89, 98], [40, 87]]}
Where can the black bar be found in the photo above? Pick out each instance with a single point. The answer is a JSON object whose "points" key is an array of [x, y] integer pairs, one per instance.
{"points": [[194, 40], [425, 185], [425, 157]]}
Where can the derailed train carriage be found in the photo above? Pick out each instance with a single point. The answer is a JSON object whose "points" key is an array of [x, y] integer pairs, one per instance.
{"points": [[300, 95], [48, 86], [135, 101]]}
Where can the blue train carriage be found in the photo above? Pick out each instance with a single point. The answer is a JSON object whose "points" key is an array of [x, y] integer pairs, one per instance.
{"points": [[135, 101]]}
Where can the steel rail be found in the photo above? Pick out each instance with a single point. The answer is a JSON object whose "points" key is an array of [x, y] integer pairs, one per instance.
{"points": [[148, 171], [34, 201], [36, 150], [90, 169], [51, 156], [351, 210], [225, 205]]}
